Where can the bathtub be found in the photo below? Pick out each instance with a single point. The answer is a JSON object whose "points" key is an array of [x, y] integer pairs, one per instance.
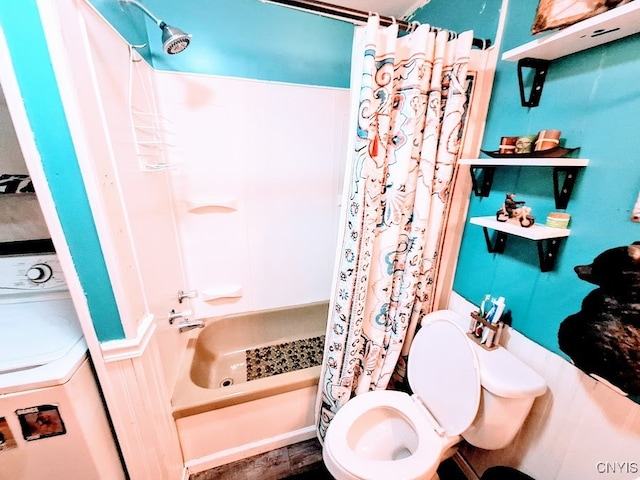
{"points": [[247, 384]]}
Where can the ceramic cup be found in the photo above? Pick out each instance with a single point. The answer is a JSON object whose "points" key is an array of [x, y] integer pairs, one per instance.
{"points": [[524, 144], [558, 220], [508, 145], [547, 139]]}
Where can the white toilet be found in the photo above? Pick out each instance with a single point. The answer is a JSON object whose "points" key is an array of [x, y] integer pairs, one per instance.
{"points": [[460, 391]]}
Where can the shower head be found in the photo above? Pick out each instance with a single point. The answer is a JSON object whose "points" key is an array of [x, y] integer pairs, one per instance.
{"points": [[174, 40]]}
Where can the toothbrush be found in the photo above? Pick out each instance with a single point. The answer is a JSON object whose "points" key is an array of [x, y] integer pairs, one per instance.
{"points": [[493, 317]]}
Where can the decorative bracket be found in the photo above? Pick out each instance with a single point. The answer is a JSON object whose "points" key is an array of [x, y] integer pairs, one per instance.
{"points": [[482, 183], [540, 67], [563, 194], [499, 244], [548, 257]]}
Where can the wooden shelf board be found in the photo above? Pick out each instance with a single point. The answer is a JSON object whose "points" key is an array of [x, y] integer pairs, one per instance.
{"points": [[525, 162], [535, 232], [604, 28]]}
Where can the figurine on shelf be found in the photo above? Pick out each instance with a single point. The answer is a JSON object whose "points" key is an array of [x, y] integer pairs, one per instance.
{"points": [[513, 209]]}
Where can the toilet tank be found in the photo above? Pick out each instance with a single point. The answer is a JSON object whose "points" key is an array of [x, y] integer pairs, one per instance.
{"points": [[509, 388]]}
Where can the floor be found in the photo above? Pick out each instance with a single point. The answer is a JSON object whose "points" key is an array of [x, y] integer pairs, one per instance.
{"points": [[301, 461]]}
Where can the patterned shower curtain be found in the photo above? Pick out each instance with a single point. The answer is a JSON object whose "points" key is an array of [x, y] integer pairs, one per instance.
{"points": [[412, 98]]}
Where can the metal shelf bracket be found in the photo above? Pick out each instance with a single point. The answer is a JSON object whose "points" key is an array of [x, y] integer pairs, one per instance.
{"points": [[482, 182], [547, 249], [500, 241], [540, 68], [548, 256], [562, 194]]}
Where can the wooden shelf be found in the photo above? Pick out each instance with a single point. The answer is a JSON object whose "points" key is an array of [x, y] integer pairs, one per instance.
{"points": [[604, 28], [536, 231], [525, 162]]}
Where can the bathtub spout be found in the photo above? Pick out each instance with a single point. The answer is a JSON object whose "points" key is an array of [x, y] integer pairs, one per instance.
{"points": [[190, 325]]}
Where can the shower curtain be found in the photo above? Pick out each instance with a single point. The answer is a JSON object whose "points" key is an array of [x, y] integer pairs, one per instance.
{"points": [[412, 95]]}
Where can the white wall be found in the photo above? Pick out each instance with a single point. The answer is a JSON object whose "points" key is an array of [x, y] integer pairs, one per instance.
{"points": [[580, 429], [267, 160]]}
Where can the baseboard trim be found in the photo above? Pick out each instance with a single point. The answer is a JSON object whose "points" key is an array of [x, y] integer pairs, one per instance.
{"points": [[127, 349], [464, 466]]}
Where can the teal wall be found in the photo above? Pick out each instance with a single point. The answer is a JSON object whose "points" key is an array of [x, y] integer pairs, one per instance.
{"points": [[242, 38], [593, 97], [461, 15], [22, 28]]}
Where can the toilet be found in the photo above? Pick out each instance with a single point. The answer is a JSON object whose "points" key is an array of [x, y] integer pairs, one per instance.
{"points": [[460, 390]]}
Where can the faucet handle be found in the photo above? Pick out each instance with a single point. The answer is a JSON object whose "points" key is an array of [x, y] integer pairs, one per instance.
{"points": [[190, 294], [183, 314]]}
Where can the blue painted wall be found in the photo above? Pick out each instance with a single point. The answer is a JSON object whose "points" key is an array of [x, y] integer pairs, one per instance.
{"points": [[22, 28], [593, 97], [461, 15], [242, 38]]}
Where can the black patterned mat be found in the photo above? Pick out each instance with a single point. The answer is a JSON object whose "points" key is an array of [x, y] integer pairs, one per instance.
{"points": [[285, 357]]}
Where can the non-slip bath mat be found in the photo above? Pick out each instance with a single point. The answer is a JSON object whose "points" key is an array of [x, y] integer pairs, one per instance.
{"points": [[284, 357]]}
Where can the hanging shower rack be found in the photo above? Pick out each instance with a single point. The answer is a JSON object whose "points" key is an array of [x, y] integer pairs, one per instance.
{"points": [[147, 125], [355, 16]]}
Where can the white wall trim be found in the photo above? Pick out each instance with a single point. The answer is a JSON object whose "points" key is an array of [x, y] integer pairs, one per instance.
{"points": [[118, 350]]}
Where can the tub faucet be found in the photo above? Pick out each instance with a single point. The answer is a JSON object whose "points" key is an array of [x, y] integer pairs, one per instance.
{"points": [[187, 325], [173, 315]]}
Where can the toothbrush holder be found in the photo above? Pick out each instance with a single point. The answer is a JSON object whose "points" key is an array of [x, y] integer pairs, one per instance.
{"points": [[478, 328]]}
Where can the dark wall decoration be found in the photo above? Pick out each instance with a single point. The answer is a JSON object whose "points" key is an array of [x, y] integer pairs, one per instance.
{"points": [[552, 14], [603, 338]]}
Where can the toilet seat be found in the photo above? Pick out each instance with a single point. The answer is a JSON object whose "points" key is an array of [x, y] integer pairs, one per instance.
{"points": [[423, 459], [442, 355]]}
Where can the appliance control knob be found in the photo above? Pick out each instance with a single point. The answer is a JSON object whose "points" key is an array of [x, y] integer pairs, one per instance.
{"points": [[39, 273]]}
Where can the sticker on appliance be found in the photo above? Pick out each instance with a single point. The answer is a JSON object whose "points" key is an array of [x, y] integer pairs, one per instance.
{"points": [[7, 442], [40, 422]]}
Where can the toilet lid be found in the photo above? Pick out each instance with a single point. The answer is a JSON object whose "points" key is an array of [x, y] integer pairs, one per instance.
{"points": [[442, 355]]}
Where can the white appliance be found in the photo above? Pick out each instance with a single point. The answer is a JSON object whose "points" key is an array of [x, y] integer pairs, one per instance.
{"points": [[53, 423]]}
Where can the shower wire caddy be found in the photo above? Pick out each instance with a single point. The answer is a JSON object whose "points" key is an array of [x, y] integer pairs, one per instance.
{"points": [[147, 125]]}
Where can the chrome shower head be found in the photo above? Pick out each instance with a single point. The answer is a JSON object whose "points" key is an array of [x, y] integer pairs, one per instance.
{"points": [[174, 40]]}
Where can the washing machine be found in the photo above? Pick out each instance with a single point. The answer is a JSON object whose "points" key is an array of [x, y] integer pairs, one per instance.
{"points": [[53, 423]]}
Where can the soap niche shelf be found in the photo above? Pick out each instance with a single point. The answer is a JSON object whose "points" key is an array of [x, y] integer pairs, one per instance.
{"points": [[565, 170], [547, 238]]}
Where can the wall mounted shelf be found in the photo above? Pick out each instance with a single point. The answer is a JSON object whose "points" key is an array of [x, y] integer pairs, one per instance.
{"points": [[482, 171], [537, 232], [604, 28]]}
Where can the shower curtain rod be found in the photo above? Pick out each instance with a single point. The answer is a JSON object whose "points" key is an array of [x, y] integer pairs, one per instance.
{"points": [[352, 15]]}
